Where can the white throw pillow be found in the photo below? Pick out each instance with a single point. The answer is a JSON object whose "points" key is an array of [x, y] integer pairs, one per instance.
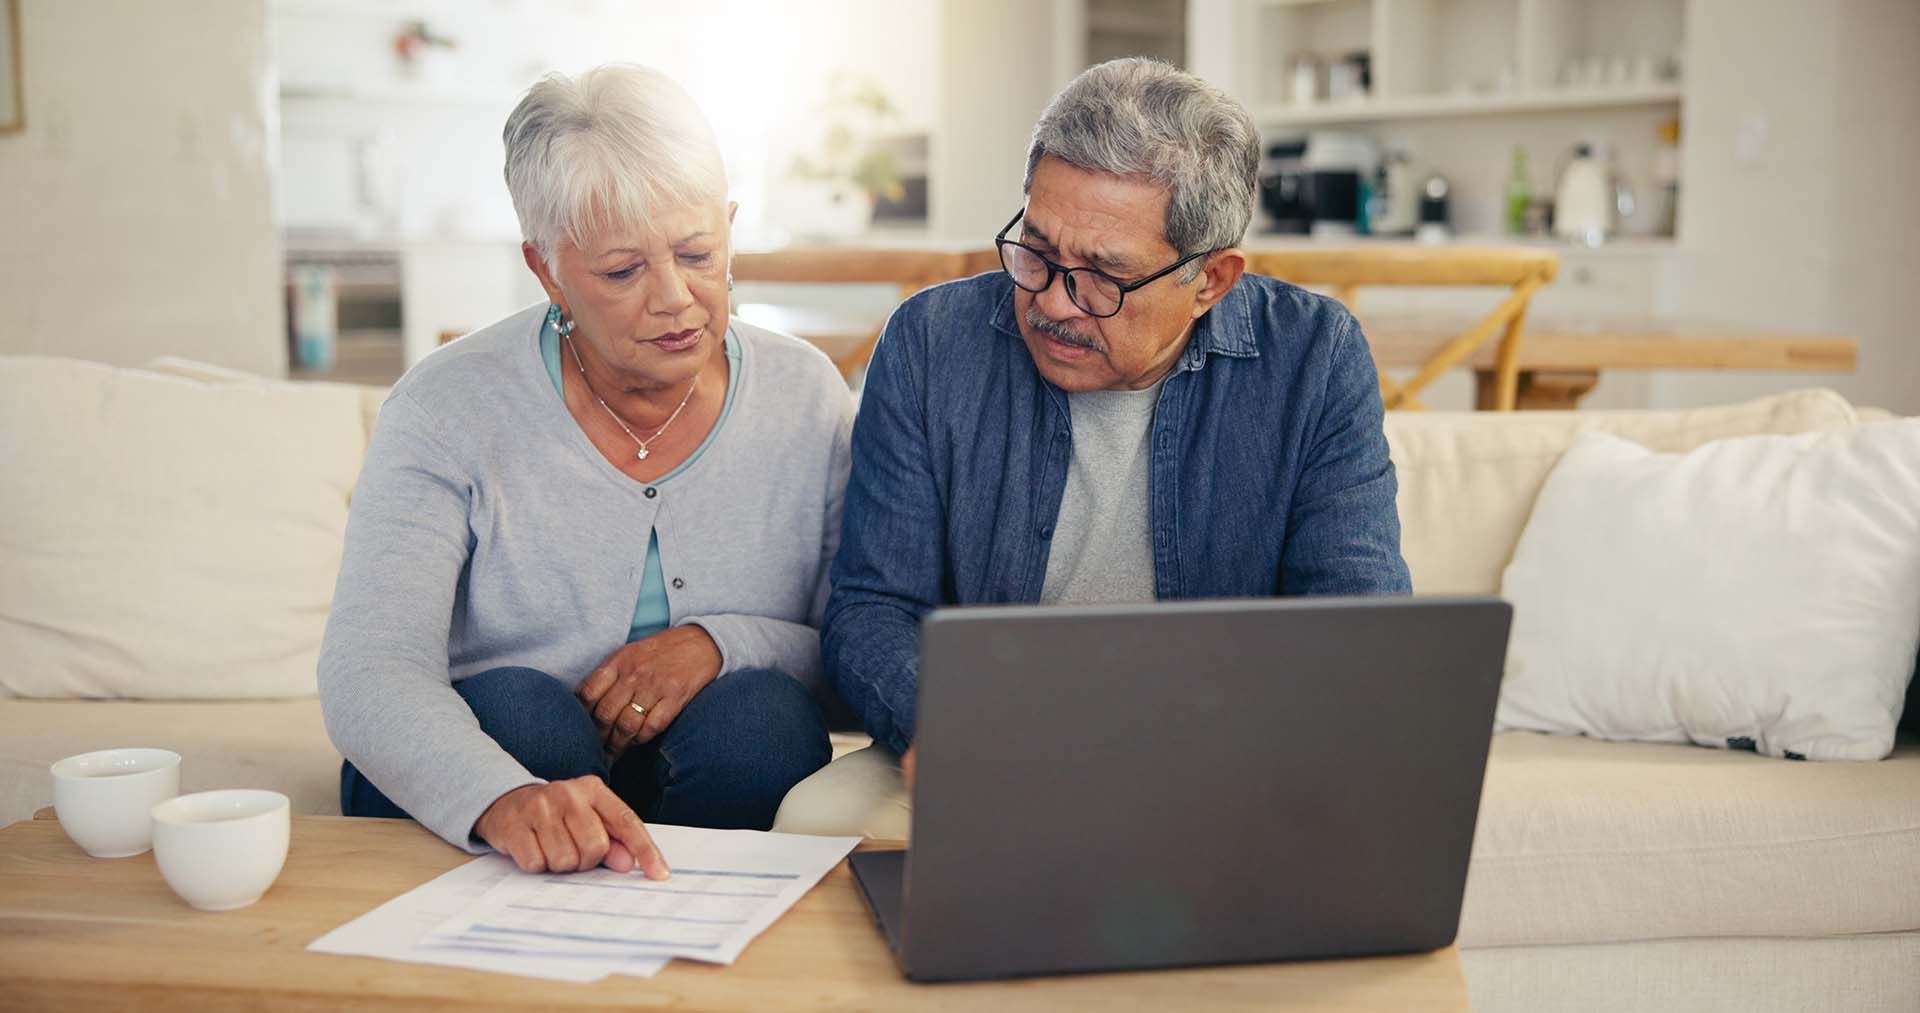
{"points": [[1468, 479], [168, 538], [1760, 591]]}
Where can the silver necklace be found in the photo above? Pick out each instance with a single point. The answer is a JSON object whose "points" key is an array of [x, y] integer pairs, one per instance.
{"points": [[617, 420]]}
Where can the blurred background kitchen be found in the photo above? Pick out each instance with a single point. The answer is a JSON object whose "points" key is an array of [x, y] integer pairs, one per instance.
{"points": [[313, 186]]}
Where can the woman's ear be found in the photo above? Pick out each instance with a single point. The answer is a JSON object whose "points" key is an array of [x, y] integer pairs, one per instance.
{"points": [[538, 265], [733, 208]]}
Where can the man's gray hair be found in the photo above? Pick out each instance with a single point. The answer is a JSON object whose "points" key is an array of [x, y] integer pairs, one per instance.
{"points": [[1145, 119], [609, 146]]}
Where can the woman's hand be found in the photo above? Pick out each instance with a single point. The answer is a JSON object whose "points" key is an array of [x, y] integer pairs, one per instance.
{"points": [[568, 826], [660, 673]]}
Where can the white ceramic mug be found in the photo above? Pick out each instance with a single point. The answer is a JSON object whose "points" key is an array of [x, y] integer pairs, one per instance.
{"points": [[221, 850], [105, 799]]}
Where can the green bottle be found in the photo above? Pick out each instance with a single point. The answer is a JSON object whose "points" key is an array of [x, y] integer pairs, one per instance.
{"points": [[1519, 194]]}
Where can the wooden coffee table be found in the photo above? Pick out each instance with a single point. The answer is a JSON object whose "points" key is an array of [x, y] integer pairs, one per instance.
{"points": [[84, 933]]}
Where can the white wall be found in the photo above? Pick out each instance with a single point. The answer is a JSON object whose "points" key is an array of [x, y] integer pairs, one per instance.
{"points": [[1801, 209], [138, 202], [427, 144], [1876, 201], [1000, 63]]}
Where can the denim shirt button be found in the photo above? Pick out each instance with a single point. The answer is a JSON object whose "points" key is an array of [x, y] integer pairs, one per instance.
{"points": [[1046, 532], [1165, 441]]}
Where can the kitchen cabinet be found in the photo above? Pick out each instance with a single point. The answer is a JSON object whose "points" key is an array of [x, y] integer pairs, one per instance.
{"points": [[1439, 58]]}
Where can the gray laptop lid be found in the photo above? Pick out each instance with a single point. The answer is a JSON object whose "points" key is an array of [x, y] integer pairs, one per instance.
{"points": [[1199, 782]]}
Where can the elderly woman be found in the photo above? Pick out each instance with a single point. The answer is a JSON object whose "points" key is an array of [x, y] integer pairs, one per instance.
{"points": [[585, 563]]}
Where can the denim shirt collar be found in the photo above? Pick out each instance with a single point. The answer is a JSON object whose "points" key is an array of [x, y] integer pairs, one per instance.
{"points": [[1227, 329]]}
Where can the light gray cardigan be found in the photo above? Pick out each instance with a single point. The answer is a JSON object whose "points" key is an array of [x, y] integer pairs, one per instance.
{"points": [[486, 530]]}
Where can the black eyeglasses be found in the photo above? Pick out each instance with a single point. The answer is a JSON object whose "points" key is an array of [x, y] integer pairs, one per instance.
{"points": [[1096, 293]]}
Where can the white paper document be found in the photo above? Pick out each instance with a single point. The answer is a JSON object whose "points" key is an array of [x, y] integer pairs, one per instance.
{"points": [[393, 931], [727, 887]]}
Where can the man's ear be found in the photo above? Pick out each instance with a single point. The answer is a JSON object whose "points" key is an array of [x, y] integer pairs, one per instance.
{"points": [[1223, 271], [538, 265]]}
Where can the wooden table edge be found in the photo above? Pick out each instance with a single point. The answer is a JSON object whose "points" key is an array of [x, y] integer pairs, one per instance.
{"points": [[833, 933]]}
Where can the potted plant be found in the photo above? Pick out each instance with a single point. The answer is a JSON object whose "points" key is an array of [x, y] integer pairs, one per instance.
{"points": [[424, 54], [829, 190]]}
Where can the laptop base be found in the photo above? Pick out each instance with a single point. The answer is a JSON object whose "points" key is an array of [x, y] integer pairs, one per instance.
{"points": [[882, 876]]}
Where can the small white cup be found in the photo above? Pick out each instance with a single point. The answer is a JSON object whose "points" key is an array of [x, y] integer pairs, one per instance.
{"points": [[221, 850], [105, 799]]}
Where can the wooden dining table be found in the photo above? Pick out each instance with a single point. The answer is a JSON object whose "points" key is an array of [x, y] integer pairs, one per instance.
{"points": [[1561, 359]]}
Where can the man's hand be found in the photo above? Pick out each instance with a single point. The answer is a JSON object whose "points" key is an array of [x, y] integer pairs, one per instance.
{"points": [[906, 767], [660, 673], [567, 826]]}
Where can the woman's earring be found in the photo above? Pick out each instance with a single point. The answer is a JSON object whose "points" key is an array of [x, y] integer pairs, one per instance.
{"points": [[729, 281], [561, 325]]}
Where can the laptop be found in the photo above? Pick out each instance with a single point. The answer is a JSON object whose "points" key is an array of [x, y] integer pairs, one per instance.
{"points": [[1125, 787]]}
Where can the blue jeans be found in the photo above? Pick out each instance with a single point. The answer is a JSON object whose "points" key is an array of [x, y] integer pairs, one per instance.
{"points": [[726, 762]]}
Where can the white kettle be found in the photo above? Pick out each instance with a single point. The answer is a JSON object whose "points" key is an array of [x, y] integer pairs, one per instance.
{"points": [[1583, 204]]}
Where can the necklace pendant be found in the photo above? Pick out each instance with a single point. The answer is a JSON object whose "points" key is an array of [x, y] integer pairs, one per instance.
{"points": [[642, 455]]}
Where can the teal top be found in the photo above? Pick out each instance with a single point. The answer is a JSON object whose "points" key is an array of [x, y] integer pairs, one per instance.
{"points": [[651, 613]]}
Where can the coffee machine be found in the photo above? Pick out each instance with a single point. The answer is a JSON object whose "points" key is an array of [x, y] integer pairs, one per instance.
{"points": [[1312, 185], [1335, 163], [1283, 186]]}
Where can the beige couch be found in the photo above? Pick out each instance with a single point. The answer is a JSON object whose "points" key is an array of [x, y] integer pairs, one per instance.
{"points": [[1605, 875]]}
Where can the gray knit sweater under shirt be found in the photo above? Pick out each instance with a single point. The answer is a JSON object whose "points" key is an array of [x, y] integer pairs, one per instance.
{"points": [[1102, 546], [487, 530]]}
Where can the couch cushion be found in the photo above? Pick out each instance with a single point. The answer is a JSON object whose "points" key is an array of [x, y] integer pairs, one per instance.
{"points": [[1468, 479], [1760, 592], [168, 537], [371, 397], [277, 744], [1855, 974], [1581, 841]]}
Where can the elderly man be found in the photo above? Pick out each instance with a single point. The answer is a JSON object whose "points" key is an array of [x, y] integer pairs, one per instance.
{"points": [[1120, 415]]}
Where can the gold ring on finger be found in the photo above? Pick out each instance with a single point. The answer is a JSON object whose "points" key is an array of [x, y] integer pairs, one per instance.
{"points": [[637, 709]]}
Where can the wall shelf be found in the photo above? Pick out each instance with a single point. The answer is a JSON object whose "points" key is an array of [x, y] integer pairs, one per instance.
{"points": [[398, 95], [1441, 58], [1422, 107], [1642, 247]]}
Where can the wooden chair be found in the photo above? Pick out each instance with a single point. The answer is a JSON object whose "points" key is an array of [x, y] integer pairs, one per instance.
{"points": [[908, 271], [1343, 271]]}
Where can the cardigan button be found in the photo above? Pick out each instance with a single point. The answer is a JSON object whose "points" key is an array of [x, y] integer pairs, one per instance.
{"points": [[678, 583], [652, 492]]}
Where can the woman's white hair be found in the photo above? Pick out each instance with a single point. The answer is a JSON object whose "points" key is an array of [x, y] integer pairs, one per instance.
{"points": [[608, 146]]}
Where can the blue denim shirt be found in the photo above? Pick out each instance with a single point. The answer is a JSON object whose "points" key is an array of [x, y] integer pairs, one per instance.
{"points": [[1269, 476]]}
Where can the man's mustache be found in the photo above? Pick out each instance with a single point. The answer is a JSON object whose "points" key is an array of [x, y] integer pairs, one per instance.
{"points": [[1058, 331]]}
